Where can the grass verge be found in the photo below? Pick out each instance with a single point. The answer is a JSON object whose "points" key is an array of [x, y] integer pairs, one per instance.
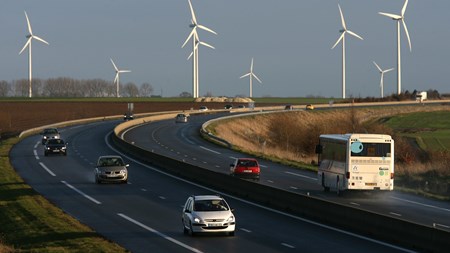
{"points": [[30, 223]]}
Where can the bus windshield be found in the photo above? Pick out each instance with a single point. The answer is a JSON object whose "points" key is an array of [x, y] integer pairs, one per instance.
{"points": [[371, 149]]}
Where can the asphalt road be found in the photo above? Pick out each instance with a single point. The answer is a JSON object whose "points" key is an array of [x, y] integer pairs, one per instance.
{"points": [[145, 214]]}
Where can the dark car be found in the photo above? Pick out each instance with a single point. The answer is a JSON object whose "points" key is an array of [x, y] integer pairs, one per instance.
{"points": [[128, 116], [55, 146], [228, 107], [50, 133], [245, 168]]}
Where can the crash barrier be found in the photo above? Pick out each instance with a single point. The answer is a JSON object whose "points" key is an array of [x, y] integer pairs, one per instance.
{"points": [[385, 228]]}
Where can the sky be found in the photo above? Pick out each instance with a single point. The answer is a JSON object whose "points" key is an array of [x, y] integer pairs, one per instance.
{"points": [[290, 41]]}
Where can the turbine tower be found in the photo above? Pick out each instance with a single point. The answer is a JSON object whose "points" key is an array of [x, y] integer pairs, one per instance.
{"points": [[251, 75], [344, 30], [30, 37], [117, 78], [195, 42], [399, 18], [382, 76]]}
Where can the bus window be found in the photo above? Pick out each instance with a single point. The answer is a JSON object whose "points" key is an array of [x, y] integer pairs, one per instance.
{"points": [[373, 150]]}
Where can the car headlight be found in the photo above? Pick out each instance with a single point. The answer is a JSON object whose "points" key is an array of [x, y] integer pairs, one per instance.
{"points": [[123, 171], [230, 219], [47, 148], [63, 148], [45, 137], [197, 220]]}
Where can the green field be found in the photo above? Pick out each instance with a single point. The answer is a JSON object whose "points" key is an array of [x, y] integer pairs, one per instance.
{"points": [[430, 130]]}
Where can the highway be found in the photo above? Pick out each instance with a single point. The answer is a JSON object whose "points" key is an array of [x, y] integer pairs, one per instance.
{"points": [[183, 142], [145, 214]]}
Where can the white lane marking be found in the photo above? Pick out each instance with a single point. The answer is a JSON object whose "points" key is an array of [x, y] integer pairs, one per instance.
{"points": [[288, 245], [293, 188], [144, 190], [270, 181], [81, 193], [162, 197], [210, 150], [35, 154], [232, 157], [37, 144], [245, 230], [355, 204], [258, 205], [440, 225], [263, 166], [395, 214], [158, 233], [421, 204], [300, 175], [47, 169]]}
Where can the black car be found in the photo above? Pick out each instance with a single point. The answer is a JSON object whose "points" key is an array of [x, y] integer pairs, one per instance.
{"points": [[49, 133], [55, 146], [228, 107]]}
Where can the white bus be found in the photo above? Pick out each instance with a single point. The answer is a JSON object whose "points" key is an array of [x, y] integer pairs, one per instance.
{"points": [[356, 162]]}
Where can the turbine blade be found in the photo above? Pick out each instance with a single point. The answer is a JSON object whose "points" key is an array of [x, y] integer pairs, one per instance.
{"points": [[26, 45], [256, 77], [206, 44], [190, 55], [387, 70], [194, 19], [40, 39], [393, 16], [124, 71], [28, 23], [188, 38], [355, 35], [206, 29], [251, 66], [115, 67], [342, 18], [407, 33], [378, 67], [339, 40], [404, 8], [245, 75]]}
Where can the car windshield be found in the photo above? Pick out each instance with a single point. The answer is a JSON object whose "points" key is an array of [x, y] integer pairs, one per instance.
{"points": [[209, 205], [247, 163], [110, 161], [50, 131], [55, 141]]}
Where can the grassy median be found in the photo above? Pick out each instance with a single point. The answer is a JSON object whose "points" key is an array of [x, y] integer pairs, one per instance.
{"points": [[30, 223]]}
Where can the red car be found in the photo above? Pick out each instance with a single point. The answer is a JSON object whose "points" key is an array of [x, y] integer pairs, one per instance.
{"points": [[245, 168]]}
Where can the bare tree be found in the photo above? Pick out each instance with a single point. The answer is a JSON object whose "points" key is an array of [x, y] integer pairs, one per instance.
{"points": [[21, 88], [130, 90], [4, 88], [146, 90]]}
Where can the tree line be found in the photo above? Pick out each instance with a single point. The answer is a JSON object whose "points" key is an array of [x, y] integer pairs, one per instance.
{"points": [[69, 87]]}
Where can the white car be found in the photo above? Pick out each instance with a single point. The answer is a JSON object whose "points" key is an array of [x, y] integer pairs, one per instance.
{"points": [[208, 214], [203, 108]]}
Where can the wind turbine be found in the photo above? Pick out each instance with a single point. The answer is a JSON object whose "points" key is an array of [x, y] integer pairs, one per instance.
{"points": [[344, 30], [30, 37], [195, 42], [382, 76], [116, 79], [399, 18], [251, 75]]}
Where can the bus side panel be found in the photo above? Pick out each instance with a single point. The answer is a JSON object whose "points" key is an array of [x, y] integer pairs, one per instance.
{"points": [[331, 174]]}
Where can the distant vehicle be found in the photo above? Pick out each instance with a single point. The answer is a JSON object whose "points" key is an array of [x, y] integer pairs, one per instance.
{"points": [[309, 107], [241, 106], [203, 108], [111, 168], [289, 107], [128, 116], [356, 162], [50, 133], [207, 214], [55, 146], [245, 168], [181, 118], [228, 107]]}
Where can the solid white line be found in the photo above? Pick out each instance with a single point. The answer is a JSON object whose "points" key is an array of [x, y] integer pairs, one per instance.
{"points": [[421, 204], [210, 150], [440, 225], [35, 154], [355, 204], [261, 206], [82, 193], [47, 169], [245, 230], [288, 245], [293, 187], [396, 214], [300, 175], [159, 233]]}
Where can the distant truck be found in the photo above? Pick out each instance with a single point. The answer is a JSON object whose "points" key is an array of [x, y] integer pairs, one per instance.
{"points": [[421, 96]]}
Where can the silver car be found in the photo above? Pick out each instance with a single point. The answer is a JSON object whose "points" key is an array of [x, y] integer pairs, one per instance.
{"points": [[50, 133], [181, 118], [207, 214], [111, 168]]}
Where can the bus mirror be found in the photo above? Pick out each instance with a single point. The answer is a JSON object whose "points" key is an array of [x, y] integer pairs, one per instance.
{"points": [[319, 149]]}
